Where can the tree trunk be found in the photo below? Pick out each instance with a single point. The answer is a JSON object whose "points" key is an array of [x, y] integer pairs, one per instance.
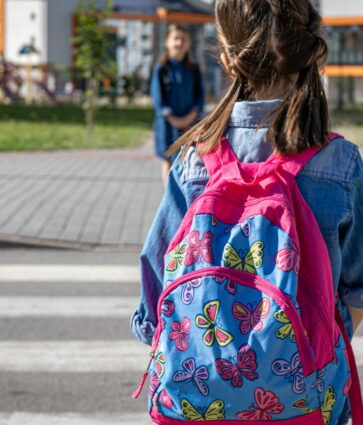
{"points": [[90, 107]]}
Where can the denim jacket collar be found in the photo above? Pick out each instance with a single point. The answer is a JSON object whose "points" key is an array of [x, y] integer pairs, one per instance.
{"points": [[248, 114]]}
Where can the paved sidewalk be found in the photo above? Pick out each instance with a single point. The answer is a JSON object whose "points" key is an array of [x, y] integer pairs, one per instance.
{"points": [[80, 199]]}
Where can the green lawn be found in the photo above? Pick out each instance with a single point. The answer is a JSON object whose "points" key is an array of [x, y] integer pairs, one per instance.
{"points": [[24, 128], [349, 123]]}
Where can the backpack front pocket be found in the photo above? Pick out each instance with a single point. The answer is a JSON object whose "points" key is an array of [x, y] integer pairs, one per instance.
{"points": [[231, 346]]}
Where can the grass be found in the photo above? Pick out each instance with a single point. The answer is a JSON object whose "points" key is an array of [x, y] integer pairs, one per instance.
{"points": [[32, 128], [349, 122]]}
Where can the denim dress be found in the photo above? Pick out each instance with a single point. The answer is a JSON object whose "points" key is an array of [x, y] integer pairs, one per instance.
{"points": [[177, 90], [331, 183]]}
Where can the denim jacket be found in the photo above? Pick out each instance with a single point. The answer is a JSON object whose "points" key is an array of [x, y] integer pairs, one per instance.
{"points": [[331, 183]]}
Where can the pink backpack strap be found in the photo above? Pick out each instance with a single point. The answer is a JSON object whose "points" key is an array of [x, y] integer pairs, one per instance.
{"points": [[224, 155], [295, 163], [220, 156], [355, 395]]}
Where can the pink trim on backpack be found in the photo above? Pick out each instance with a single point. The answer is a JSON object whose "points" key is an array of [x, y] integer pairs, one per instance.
{"points": [[295, 163], [355, 395], [224, 154], [315, 281], [313, 418], [280, 215]]}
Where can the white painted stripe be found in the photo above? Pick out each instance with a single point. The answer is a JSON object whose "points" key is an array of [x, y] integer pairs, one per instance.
{"points": [[82, 356], [73, 356], [22, 418], [70, 273], [67, 306], [4, 418], [357, 344]]}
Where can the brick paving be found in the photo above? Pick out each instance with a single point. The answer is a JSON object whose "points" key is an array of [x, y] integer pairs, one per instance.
{"points": [[104, 199], [80, 199]]}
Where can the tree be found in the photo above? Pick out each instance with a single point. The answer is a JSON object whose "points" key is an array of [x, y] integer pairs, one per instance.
{"points": [[92, 58]]}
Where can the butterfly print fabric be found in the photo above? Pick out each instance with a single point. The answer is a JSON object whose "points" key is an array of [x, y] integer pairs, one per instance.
{"points": [[230, 342], [249, 263], [188, 290], [176, 258], [209, 321], [213, 412], [266, 404], [230, 285], [191, 373], [166, 400], [286, 330], [199, 250], [288, 259], [224, 326], [245, 367], [292, 371], [160, 365], [180, 334], [251, 318], [167, 308]]}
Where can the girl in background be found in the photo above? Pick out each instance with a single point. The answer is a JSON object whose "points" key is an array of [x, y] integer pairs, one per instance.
{"points": [[177, 93]]}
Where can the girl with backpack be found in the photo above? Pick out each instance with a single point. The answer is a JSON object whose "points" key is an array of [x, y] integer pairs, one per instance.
{"points": [[252, 273], [177, 93]]}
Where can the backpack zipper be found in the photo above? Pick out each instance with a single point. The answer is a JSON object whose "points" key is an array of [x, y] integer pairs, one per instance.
{"points": [[254, 282], [136, 394]]}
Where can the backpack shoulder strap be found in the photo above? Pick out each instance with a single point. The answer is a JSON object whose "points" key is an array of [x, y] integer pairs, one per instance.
{"points": [[355, 396], [295, 163], [221, 155]]}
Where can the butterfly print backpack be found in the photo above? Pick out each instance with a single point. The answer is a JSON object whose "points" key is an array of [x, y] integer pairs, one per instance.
{"points": [[248, 331]]}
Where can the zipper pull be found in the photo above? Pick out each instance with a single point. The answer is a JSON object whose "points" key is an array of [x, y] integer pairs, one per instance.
{"points": [[137, 393]]}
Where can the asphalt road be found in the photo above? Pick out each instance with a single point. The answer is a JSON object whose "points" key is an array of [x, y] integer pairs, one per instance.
{"points": [[67, 356]]}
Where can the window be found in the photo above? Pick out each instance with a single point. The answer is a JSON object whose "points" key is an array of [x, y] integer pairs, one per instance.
{"points": [[345, 45]]}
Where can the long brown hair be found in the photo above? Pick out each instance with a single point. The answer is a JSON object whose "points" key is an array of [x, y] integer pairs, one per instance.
{"points": [[269, 43]]}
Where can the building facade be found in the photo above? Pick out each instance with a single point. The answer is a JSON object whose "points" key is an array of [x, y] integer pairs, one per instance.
{"points": [[139, 29], [344, 33]]}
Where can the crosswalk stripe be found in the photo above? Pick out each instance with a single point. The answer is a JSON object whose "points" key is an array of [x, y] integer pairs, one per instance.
{"points": [[67, 306], [71, 273], [24, 418], [73, 356], [4, 418], [357, 344], [84, 356]]}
